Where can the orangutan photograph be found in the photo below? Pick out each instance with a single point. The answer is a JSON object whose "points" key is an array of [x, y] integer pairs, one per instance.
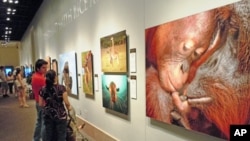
{"points": [[198, 70]]}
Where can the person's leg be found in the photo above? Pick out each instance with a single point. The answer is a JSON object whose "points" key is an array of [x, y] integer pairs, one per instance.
{"points": [[5, 88], [11, 88], [39, 122], [43, 129], [23, 96], [9, 84], [49, 127], [61, 128], [0, 87], [20, 96]]}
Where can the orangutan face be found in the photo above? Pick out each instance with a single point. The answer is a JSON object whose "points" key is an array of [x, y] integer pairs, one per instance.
{"points": [[178, 44]]}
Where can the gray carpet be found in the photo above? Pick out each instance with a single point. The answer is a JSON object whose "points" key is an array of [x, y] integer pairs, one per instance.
{"points": [[16, 124]]}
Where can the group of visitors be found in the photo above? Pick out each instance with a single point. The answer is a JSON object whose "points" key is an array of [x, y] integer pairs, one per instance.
{"points": [[14, 80], [3, 83], [50, 99]]}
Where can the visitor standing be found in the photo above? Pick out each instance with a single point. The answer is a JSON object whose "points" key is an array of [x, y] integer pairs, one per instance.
{"points": [[37, 82]]}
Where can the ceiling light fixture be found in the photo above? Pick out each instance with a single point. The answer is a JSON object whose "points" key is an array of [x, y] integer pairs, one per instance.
{"points": [[11, 1], [7, 19], [11, 11]]}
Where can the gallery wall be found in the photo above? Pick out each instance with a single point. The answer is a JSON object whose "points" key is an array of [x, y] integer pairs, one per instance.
{"points": [[62, 26], [7, 52]]}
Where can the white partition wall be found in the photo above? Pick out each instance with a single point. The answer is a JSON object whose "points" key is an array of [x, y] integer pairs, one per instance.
{"points": [[62, 26]]}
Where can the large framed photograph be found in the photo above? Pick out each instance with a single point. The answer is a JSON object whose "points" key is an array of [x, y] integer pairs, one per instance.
{"points": [[114, 52], [197, 70], [68, 73], [55, 66], [115, 93], [48, 59], [88, 75]]}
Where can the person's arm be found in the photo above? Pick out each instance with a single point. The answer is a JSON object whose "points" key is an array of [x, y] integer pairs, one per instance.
{"points": [[41, 101], [66, 101]]}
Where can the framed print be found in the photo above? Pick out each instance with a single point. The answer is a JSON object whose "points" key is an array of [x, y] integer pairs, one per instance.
{"points": [[55, 65], [114, 52], [68, 73], [27, 70], [48, 59], [88, 75], [115, 93], [197, 70], [23, 71]]}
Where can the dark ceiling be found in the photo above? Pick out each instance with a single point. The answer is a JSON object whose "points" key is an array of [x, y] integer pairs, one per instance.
{"points": [[20, 18]]}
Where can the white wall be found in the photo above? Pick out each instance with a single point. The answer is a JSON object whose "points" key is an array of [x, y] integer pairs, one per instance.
{"points": [[82, 31]]}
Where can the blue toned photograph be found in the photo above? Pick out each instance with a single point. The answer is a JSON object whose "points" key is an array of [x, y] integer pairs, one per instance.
{"points": [[115, 93]]}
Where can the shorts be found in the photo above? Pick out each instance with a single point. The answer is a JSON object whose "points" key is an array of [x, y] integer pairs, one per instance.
{"points": [[4, 85]]}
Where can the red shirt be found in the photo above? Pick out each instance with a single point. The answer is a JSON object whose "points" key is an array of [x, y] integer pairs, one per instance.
{"points": [[37, 82]]}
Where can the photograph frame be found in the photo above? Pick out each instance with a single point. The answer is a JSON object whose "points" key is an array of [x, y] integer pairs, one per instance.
{"points": [[200, 93], [88, 73], [68, 75], [48, 60], [115, 92], [114, 53]]}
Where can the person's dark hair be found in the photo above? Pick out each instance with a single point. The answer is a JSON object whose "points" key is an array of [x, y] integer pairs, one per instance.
{"points": [[39, 64], [50, 78], [18, 70]]}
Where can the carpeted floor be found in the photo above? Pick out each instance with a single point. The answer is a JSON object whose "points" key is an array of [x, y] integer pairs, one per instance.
{"points": [[16, 124]]}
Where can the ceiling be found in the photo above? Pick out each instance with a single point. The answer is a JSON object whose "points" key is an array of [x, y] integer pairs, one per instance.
{"points": [[21, 14]]}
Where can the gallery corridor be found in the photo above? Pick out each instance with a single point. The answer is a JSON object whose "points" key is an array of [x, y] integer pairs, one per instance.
{"points": [[17, 124]]}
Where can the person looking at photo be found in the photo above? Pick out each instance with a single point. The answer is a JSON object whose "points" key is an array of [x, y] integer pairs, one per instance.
{"points": [[53, 97]]}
